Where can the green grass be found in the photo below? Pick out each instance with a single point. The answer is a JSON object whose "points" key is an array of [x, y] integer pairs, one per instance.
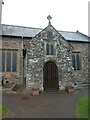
{"points": [[3, 110], [82, 107]]}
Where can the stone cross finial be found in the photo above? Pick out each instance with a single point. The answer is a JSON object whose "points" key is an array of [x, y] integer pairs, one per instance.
{"points": [[49, 18]]}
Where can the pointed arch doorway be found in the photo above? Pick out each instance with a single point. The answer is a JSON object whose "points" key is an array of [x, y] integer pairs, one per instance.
{"points": [[50, 76]]}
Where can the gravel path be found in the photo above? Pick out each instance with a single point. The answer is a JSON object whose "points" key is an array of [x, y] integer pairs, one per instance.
{"points": [[46, 105]]}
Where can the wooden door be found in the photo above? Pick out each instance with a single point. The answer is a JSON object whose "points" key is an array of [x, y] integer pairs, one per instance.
{"points": [[50, 74]]}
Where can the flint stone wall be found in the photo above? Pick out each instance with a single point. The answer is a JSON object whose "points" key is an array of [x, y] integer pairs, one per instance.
{"points": [[36, 58], [11, 43], [82, 75]]}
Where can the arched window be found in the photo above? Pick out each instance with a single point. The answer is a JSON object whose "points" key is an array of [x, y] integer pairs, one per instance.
{"points": [[49, 49]]}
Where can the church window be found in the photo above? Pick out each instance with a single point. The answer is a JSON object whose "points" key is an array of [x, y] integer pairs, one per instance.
{"points": [[14, 61], [52, 49], [49, 49], [9, 61], [76, 61], [3, 61]]}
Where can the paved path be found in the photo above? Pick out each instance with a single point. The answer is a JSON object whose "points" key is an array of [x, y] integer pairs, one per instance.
{"points": [[46, 105]]}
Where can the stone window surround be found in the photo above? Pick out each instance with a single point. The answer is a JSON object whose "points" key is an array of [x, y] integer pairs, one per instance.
{"points": [[12, 51]]}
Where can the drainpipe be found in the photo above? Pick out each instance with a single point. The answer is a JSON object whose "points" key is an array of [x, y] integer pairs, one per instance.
{"points": [[24, 51], [21, 62]]}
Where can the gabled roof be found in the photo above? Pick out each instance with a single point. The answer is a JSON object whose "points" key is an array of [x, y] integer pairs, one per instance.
{"points": [[20, 31], [75, 36]]}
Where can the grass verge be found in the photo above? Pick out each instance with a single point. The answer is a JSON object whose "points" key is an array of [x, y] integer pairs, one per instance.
{"points": [[82, 107], [3, 110]]}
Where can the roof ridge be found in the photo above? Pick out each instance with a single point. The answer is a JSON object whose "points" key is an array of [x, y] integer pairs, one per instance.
{"points": [[83, 34], [66, 31], [20, 26], [32, 27], [36, 28]]}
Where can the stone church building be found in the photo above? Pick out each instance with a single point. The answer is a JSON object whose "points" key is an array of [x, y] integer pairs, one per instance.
{"points": [[47, 59]]}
